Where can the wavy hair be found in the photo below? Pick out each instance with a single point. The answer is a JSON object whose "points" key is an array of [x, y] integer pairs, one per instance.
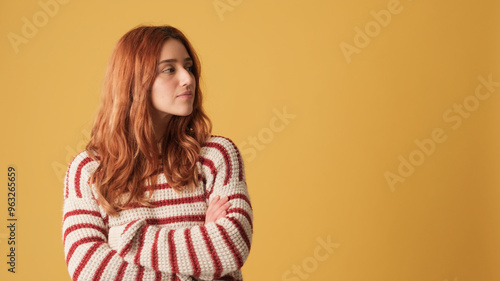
{"points": [[123, 139]]}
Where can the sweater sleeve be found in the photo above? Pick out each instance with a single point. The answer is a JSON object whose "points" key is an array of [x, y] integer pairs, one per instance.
{"points": [[85, 234], [207, 252]]}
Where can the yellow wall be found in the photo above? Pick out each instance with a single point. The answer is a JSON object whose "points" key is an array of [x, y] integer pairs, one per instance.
{"points": [[366, 125]]}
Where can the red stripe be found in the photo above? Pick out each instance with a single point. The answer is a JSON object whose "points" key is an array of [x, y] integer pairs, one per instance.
{"points": [[161, 186], [240, 196], [169, 202], [157, 276], [230, 244], [81, 226], [243, 212], [140, 274], [178, 201], [172, 252], [81, 212], [128, 225], [177, 219], [141, 244], [125, 249], [154, 252], [85, 260], [240, 167], [78, 174], [192, 253], [210, 164], [213, 171], [227, 160], [213, 254], [242, 232], [80, 242], [121, 271], [104, 263]]}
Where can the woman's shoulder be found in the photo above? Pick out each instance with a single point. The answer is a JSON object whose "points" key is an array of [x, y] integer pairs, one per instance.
{"points": [[78, 174], [220, 149], [220, 155], [220, 143]]}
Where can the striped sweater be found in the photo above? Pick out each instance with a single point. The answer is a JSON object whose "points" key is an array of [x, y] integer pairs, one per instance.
{"points": [[168, 241]]}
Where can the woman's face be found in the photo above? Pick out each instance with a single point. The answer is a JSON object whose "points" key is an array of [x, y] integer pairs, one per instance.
{"points": [[172, 92]]}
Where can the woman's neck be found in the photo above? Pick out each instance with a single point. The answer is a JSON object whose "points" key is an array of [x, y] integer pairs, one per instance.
{"points": [[160, 126]]}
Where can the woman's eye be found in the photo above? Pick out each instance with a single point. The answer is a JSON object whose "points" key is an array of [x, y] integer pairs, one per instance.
{"points": [[189, 68], [169, 70]]}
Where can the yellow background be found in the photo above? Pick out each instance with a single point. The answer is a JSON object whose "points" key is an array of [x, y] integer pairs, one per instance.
{"points": [[321, 174]]}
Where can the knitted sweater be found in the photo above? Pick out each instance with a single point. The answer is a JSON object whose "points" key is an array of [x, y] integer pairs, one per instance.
{"points": [[168, 241]]}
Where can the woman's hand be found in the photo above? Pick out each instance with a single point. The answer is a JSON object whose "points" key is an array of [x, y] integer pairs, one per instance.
{"points": [[217, 209]]}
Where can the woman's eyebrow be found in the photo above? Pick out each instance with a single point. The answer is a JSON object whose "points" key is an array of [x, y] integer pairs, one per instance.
{"points": [[175, 60]]}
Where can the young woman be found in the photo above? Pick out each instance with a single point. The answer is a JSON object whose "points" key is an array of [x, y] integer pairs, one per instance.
{"points": [[155, 196]]}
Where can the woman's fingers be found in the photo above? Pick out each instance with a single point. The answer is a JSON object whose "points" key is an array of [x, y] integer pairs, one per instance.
{"points": [[221, 211], [217, 209], [212, 204], [209, 214], [219, 202], [212, 207]]}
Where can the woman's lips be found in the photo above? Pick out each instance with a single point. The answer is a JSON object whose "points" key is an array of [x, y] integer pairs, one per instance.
{"points": [[186, 95]]}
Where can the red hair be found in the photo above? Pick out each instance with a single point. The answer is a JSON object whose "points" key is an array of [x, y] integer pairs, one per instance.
{"points": [[123, 138]]}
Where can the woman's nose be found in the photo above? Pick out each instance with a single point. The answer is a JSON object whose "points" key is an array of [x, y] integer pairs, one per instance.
{"points": [[186, 77]]}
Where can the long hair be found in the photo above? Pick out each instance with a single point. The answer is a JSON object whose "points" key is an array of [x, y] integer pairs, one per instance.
{"points": [[123, 138]]}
